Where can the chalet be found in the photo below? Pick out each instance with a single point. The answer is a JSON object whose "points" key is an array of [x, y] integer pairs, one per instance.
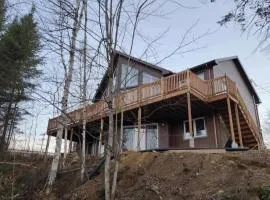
{"points": [[209, 106]]}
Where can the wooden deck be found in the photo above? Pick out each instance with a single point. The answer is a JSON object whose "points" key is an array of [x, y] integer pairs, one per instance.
{"points": [[178, 84]]}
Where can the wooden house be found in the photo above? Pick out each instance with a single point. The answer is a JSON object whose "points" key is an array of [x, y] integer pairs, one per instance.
{"points": [[209, 106]]}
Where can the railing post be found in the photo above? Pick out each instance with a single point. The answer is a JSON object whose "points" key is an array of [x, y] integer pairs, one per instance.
{"points": [[162, 87], [211, 87], [139, 94], [226, 84], [188, 80]]}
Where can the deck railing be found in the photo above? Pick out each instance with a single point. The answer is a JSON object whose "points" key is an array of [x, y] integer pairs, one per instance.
{"points": [[175, 82], [158, 90], [248, 116]]}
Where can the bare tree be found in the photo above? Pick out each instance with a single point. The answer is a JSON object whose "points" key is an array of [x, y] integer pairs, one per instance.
{"points": [[84, 90], [78, 13], [253, 17]]}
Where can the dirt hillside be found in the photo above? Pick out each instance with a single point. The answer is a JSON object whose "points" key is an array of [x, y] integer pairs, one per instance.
{"points": [[170, 176]]}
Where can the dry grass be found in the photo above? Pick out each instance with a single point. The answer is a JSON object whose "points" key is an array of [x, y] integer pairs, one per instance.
{"points": [[156, 176]]}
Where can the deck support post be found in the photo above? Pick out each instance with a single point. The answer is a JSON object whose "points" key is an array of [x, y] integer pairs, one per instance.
{"points": [[70, 140], [215, 129], [121, 131], [100, 135], [238, 125], [191, 141], [139, 128], [230, 120]]}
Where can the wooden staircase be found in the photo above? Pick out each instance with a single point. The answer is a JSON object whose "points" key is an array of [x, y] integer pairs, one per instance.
{"points": [[250, 134]]}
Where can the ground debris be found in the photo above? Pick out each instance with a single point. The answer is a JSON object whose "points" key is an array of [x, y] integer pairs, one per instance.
{"points": [[154, 176]]}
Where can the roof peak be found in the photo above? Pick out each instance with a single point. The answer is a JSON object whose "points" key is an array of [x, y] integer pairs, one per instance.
{"points": [[161, 69]]}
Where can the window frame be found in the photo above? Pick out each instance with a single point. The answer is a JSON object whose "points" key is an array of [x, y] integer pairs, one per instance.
{"points": [[188, 137], [143, 126], [123, 81], [146, 74]]}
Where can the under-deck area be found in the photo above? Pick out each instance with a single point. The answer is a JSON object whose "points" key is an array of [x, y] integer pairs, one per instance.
{"points": [[169, 107]]}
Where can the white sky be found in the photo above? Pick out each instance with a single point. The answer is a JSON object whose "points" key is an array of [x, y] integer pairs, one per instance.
{"points": [[222, 42]]}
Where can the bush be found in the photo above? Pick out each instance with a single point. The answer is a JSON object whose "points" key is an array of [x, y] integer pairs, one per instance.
{"points": [[264, 193], [5, 168]]}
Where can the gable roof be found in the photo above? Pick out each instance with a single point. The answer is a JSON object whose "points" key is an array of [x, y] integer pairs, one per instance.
{"points": [[239, 66], [104, 81], [166, 72]]}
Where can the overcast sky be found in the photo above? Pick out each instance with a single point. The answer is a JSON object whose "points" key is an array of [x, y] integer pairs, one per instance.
{"points": [[221, 42]]}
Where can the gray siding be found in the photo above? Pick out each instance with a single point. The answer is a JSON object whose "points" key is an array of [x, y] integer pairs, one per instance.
{"points": [[140, 67], [230, 69]]}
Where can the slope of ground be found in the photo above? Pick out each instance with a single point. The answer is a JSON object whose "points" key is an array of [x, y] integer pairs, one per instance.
{"points": [[165, 176]]}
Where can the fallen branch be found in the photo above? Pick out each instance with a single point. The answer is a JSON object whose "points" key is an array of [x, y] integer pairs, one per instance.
{"points": [[22, 164]]}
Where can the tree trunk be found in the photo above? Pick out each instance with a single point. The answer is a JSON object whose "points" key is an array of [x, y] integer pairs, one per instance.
{"points": [[117, 157], [109, 146], [83, 150], [108, 157], [47, 147], [64, 103], [84, 91], [3, 142], [11, 128], [65, 148]]}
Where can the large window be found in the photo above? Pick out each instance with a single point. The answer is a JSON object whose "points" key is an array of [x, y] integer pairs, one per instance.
{"points": [[199, 128], [129, 76], [148, 137], [147, 78]]}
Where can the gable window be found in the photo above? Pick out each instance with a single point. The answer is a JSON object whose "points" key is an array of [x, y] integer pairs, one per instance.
{"points": [[199, 128], [147, 78], [129, 76]]}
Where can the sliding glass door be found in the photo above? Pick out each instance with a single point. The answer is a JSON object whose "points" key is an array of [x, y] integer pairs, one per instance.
{"points": [[151, 137], [148, 137]]}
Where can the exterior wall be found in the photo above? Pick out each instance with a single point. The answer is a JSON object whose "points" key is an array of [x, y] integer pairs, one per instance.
{"points": [[163, 131], [141, 68], [230, 69], [176, 135], [206, 73]]}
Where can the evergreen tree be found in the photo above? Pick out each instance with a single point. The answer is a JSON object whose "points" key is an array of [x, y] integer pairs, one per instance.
{"points": [[19, 48]]}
